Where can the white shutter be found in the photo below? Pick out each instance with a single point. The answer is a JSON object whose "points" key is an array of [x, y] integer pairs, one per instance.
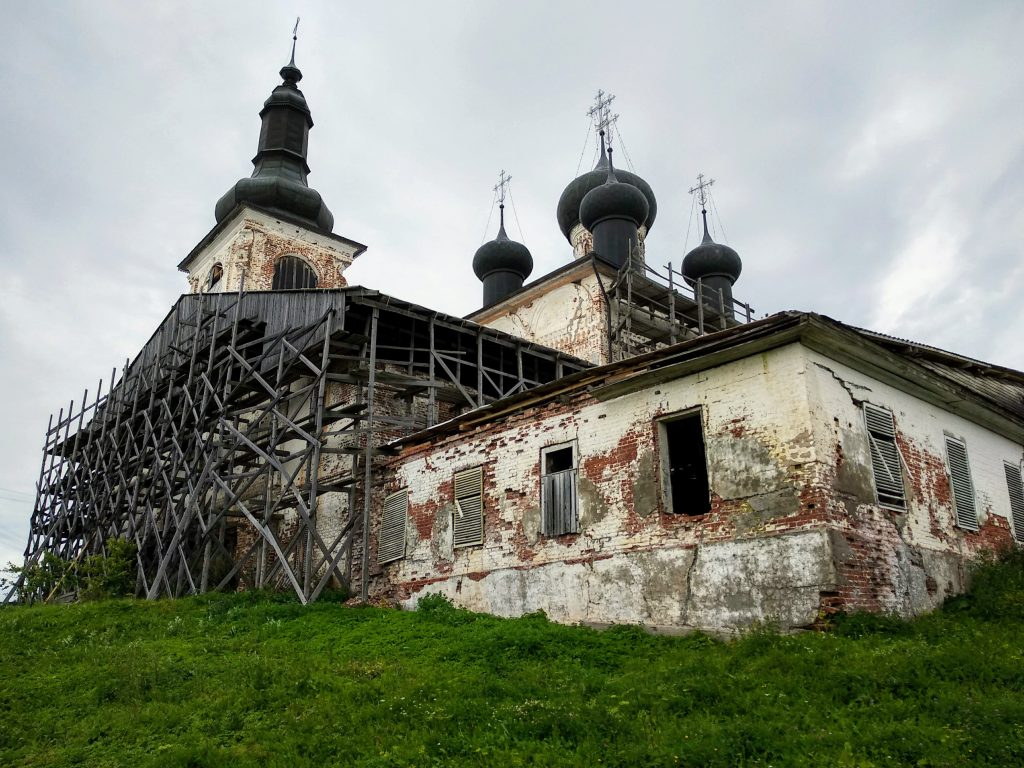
{"points": [[391, 541], [885, 456], [469, 508], [963, 487], [1016, 489]]}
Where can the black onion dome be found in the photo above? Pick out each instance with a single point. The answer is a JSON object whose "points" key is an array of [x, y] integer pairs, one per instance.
{"points": [[711, 259], [613, 199], [278, 182], [568, 211], [502, 255]]}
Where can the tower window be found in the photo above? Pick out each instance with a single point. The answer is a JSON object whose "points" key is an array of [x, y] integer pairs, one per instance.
{"points": [[216, 273], [292, 273], [684, 465]]}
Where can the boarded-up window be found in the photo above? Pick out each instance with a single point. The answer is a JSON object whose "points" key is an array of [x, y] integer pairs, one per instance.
{"points": [[292, 273], [885, 456], [559, 513], [391, 541], [469, 508], [1016, 489], [963, 487]]}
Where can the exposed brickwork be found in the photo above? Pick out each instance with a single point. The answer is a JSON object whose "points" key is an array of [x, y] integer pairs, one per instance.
{"points": [[793, 535], [253, 244]]}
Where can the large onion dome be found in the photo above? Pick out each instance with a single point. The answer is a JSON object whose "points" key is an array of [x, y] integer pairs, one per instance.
{"points": [[613, 200], [572, 196]]}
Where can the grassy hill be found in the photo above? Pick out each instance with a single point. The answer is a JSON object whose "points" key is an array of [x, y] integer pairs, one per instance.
{"points": [[252, 679]]}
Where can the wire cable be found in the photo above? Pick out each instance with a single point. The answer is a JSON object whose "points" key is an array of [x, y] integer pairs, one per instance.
{"points": [[490, 214], [689, 225], [725, 238], [584, 150], [522, 237], [629, 160]]}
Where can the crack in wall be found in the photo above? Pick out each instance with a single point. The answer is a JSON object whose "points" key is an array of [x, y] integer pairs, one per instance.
{"points": [[687, 596], [848, 386]]}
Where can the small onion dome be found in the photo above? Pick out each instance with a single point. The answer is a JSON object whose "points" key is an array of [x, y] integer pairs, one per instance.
{"points": [[502, 255], [568, 211], [711, 259], [613, 200]]}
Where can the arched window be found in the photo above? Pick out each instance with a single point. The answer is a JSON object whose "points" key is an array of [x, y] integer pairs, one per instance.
{"points": [[215, 275], [291, 272]]}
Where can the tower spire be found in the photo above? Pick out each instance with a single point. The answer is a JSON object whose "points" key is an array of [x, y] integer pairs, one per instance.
{"points": [[295, 37], [279, 178]]}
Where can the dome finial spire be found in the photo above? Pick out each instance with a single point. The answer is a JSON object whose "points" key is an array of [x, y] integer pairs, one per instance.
{"points": [[500, 189], [701, 190], [295, 37], [612, 178], [290, 73]]}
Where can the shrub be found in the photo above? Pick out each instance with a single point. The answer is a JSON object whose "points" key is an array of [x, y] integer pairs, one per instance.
{"points": [[995, 587], [96, 577], [110, 575]]}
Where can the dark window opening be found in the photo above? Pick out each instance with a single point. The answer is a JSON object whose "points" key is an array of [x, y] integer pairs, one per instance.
{"points": [[558, 461], [215, 275], [686, 465], [292, 273]]}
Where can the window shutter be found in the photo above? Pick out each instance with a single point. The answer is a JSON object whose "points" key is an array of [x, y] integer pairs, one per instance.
{"points": [[558, 501], [1016, 489], [469, 508], [391, 541], [960, 479], [885, 456]]}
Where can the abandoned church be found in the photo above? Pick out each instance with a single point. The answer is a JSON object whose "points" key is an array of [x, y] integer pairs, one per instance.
{"points": [[612, 442]]}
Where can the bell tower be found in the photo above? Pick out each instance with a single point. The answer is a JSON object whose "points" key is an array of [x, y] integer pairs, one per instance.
{"points": [[274, 231]]}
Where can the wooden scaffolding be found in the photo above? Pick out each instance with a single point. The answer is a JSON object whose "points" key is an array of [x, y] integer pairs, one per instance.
{"points": [[238, 449]]}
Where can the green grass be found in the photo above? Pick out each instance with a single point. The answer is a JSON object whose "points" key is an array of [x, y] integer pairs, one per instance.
{"points": [[253, 679]]}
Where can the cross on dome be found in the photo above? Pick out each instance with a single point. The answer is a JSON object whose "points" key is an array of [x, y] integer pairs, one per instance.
{"points": [[601, 114]]}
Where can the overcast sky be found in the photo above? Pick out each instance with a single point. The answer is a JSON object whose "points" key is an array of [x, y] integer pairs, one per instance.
{"points": [[869, 159]]}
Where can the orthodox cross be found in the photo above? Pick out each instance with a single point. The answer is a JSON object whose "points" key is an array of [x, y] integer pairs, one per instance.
{"points": [[601, 114], [702, 189], [502, 186]]}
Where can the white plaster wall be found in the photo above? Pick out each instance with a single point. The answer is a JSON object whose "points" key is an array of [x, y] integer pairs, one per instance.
{"points": [[926, 550], [583, 241], [570, 318], [253, 241], [630, 562]]}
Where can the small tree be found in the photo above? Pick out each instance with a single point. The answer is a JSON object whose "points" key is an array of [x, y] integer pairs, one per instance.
{"points": [[110, 575]]}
